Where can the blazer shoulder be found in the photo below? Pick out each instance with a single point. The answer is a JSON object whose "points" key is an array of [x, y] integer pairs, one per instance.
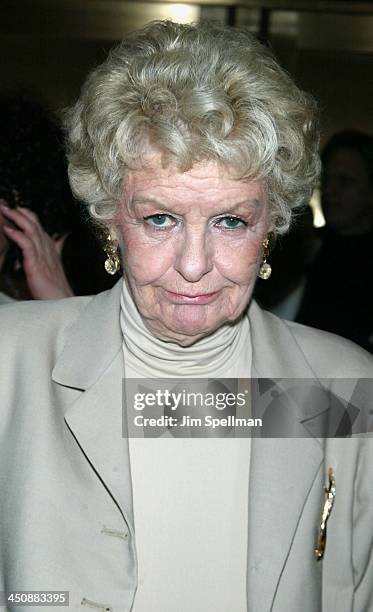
{"points": [[34, 322], [327, 352]]}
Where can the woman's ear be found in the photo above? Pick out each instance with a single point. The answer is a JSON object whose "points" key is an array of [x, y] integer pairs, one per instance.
{"points": [[113, 232]]}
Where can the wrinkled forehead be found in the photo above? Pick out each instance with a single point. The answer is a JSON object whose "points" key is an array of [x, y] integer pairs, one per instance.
{"points": [[205, 180], [154, 174]]}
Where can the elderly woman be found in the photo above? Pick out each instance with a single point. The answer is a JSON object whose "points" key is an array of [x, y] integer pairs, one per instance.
{"points": [[189, 145]]}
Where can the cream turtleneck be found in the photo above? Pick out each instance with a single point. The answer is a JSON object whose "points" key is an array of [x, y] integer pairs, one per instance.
{"points": [[190, 495]]}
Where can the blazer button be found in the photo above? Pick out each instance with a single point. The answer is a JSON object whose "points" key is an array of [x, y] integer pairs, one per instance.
{"points": [[95, 605], [114, 533]]}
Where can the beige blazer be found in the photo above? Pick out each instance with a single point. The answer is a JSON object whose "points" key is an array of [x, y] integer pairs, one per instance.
{"points": [[66, 520], [5, 299]]}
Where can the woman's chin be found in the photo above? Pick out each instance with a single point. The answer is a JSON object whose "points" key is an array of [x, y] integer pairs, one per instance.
{"points": [[187, 324]]}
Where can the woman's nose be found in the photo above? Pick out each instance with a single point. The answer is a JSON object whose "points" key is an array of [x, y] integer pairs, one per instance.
{"points": [[194, 259]]}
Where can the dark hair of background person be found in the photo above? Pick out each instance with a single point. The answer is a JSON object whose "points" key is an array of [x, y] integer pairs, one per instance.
{"points": [[356, 141], [33, 174]]}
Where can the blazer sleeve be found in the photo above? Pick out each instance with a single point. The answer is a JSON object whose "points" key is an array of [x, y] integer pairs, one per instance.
{"points": [[362, 539]]}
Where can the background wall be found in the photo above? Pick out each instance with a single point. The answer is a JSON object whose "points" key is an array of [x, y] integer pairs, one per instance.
{"points": [[47, 48]]}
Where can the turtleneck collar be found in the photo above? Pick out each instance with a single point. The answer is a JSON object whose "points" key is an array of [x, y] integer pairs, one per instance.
{"points": [[220, 354]]}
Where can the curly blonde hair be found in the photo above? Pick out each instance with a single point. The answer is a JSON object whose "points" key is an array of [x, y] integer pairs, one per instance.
{"points": [[195, 93]]}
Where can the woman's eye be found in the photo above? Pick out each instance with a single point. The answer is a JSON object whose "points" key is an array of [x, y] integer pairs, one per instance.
{"points": [[231, 222], [161, 221]]}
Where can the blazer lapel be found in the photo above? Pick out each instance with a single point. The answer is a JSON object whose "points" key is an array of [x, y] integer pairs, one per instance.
{"points": [[92, 363], [95, 420], [282, 471]]}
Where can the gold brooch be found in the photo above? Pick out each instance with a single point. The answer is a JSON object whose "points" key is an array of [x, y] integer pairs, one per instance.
{"points": [[327, 509]]}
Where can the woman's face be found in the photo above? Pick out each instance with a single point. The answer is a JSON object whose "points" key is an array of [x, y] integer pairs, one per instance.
{"points": [[191, 244]]}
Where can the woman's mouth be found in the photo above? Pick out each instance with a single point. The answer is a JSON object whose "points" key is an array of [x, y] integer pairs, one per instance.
{"points": [[186, 298]]}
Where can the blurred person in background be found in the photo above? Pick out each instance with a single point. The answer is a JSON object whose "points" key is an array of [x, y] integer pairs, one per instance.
{"points": [[46, 250], [4, 298], [338, 296]]}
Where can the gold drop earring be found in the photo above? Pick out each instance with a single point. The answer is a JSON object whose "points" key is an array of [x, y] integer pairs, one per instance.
{"points": [[265, 269], [112, 261]]}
